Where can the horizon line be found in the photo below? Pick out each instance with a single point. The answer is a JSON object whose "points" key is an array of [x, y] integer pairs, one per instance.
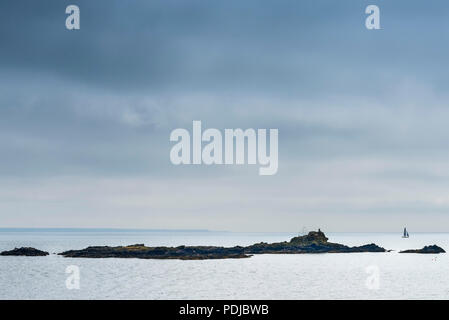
{"points": [[91, 229]]}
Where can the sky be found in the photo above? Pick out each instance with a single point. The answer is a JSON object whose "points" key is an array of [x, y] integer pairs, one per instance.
{"points": [[86, 115]]}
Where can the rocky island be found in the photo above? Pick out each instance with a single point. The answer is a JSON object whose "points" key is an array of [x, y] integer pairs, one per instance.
{"points": [[427, 249], [24, 251], [313, 242], [143, 252]]}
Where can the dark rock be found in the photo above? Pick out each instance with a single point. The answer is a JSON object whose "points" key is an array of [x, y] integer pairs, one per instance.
{"points": [[142, 252], [314, 242], [24, 252], [313, 237], [427, 249], [305, 247]]}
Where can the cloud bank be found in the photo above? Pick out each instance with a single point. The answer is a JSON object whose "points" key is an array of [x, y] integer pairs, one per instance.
{"points": [[85, 115]]}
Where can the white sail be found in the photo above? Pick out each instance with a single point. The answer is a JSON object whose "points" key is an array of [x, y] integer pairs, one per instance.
{"points": [[405, 234]]}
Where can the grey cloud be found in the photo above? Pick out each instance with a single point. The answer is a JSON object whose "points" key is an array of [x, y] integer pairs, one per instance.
{"points": [[361, 114], [289, 47]]}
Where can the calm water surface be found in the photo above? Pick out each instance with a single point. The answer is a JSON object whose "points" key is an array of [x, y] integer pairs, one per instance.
{"points": [[307, 276]]}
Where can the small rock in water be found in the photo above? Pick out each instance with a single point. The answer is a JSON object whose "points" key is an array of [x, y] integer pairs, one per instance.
{"points": [[24, 251], [427, 249]]}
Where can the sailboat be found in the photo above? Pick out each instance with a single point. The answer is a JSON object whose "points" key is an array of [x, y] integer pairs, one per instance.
{"points": [[405, 235]]}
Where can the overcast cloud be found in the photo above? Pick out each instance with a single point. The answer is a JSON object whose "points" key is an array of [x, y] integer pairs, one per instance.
{"points": [[85, 115]]}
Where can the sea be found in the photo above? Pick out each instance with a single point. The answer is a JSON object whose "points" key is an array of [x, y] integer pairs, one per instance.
{"points": [[389, 275]]}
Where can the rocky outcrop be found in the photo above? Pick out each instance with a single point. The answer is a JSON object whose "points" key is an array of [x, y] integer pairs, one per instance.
{"points": [[427, 249], [314, 242], [24, 251], [143, 252], [313, 237]]}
